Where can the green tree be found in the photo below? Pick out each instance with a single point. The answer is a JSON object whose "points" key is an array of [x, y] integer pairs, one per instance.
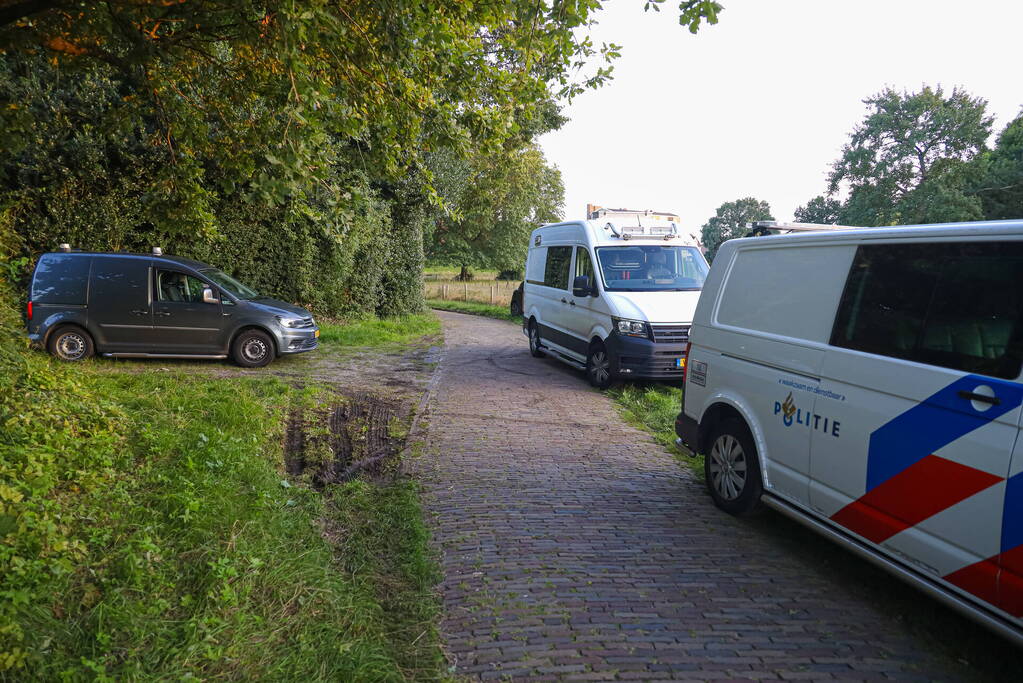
{"points": [[906, 161], [730, 222], [499, 200], [1000, 183], [820, 209]]}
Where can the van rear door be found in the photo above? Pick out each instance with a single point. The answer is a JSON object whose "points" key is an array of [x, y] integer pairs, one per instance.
{"points": [[120, 310], [924, 371]]}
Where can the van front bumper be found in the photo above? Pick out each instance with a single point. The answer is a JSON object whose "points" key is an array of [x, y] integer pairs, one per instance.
{"points": [[634, 357], [298, 340]]}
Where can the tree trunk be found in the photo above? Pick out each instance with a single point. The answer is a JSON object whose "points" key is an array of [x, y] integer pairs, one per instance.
{"points": [[465, 275]]}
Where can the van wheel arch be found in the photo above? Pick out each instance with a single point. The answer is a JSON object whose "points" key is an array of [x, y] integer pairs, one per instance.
{"points": [[258, 328], [715, 415]]}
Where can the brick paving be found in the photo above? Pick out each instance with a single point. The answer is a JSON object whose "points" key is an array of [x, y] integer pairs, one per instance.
{"points": [[575, 548]]}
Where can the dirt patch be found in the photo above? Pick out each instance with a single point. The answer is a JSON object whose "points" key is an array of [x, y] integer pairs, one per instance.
{"points": [[349, 434]]}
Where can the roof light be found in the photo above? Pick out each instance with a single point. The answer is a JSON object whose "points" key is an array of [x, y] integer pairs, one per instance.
{"points": [[65, 247], [157, 251]]}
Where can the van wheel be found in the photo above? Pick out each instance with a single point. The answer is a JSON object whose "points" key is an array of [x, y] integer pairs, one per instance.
{"points": [[535, 348], [252, 349], [732, 469], [598, 366], [71, 344]]}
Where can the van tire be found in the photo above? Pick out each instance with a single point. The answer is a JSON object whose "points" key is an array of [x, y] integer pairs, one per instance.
{"points": [[252, 349], [598, 366], [535, 347], [71, 343], [732, 469]]}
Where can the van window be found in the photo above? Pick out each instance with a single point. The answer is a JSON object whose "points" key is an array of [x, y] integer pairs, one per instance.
{"points": [[583, 265], [790, 292], [61, 279], [121, 279], [536, 262], [172, 285], [954, 305], [559, 260]]}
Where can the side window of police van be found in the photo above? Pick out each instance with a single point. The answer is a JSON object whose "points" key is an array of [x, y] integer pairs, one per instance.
{"points": [[583, 264], [559, 260], [953, 305]]}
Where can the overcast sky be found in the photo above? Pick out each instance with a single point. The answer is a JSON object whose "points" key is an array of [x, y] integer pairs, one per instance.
{"points": [[761, 104]]}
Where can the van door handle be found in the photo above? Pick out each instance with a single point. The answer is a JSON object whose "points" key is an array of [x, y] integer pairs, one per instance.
{"points": [[161, 312], [969, 395], [563, 300], [140, 312], [571, 303]]}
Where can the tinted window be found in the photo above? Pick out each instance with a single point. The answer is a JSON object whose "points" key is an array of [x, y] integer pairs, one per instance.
{"points": [[119, 282], [955, 305], [61, 279], [559, 260]]}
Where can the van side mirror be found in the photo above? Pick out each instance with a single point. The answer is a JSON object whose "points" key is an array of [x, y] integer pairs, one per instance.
{"points": [[208, 296], [581, 286]]}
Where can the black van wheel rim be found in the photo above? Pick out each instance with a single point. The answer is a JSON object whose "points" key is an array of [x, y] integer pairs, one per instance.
{"points": [[71, 346], [728, 467], [599, 366], [254, 349]]}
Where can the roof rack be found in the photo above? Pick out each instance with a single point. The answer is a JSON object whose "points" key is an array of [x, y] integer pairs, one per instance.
{"points": [[625, 232], [758, 228]]}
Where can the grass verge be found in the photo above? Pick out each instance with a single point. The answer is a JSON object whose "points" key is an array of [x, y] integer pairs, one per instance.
{"points": [[147, 531], [473, 308]]}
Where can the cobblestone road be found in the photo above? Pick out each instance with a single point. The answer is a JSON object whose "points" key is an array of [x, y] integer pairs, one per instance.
{"points": [[573, 547]]}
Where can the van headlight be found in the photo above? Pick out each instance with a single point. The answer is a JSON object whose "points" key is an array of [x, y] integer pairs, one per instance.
{"points": [[294, 322], [632, 328]]}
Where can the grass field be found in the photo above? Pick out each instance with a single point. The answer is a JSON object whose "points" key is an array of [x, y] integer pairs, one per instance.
{"points": [[150, 531]]}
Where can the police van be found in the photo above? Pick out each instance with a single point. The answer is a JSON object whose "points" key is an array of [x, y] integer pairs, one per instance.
{"points": [[612, 298], [867, 383]]}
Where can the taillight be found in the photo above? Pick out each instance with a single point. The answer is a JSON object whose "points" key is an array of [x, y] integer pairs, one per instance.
{"points": [[685, 362], [29, 310]]}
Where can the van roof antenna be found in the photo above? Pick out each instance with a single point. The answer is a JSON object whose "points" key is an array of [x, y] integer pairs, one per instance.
{"points": [[157, 251], [64, 247], [674, 232]]}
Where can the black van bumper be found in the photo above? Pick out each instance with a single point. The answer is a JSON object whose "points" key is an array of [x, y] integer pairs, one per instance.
{"points": [[634, 357], [687, 430]]}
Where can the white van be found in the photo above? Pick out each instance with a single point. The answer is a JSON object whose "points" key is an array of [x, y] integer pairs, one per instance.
{"points": [[867, 383], [615, 300]]}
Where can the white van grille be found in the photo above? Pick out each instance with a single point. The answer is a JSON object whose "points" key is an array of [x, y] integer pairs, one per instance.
{"points": [[671, 334]]}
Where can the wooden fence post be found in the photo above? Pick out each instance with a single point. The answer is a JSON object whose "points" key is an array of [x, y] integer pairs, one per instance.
{"points": [[465, 292], [444, 293], [491, 295]]}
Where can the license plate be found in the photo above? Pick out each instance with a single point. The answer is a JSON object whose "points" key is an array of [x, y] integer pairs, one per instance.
{"points": [[316, 334], [680, 362]]}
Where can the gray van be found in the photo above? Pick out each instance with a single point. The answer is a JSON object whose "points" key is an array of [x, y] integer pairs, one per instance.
{"points": [[156, 306]]}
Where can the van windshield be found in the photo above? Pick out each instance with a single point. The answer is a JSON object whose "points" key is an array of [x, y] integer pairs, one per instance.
{"points": [[652, 268], [229, 284]]}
